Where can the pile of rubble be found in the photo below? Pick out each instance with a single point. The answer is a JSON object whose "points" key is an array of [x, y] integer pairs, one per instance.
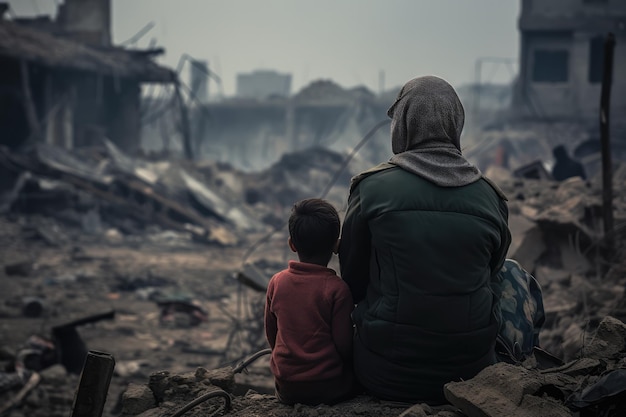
{"points": [[329, 91], [594, 383], [558, 236], [92, 189], [59, 200], [104, 188]]}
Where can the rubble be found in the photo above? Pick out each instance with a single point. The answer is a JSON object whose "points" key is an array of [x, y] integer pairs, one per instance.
{"points": [[182, 304], [122, 187], [501, 389]]}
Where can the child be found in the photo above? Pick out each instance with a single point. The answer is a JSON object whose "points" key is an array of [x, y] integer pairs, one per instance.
{"points": [[307, 313]]}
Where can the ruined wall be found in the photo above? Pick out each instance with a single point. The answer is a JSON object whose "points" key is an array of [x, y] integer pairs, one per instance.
{"points": [[87, 20], [561, 58], [263, 83], [253, 135], [562, 8], [123, 119], [13, 122]]}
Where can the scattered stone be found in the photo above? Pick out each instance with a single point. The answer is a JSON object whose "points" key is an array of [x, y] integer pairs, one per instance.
{"points": [[221, 377], [527, 242], [609, 340], [137, 399], [505, 390], [22, 268], [158, 384], [54, 375], [573, 340], [32, 307], [414, 411]]}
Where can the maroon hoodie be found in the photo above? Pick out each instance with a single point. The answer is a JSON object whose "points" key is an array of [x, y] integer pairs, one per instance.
{"points": [[308, 324]]}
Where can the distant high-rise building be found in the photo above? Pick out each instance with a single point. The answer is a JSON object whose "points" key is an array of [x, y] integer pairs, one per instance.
{"points": [[261, 84]]}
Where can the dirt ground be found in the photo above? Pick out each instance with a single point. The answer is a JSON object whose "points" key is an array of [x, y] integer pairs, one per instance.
{"points": [[84, 274], [91, 276]]}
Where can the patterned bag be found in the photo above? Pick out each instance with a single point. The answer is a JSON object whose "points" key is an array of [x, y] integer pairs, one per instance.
{"points": [[519, 313]]}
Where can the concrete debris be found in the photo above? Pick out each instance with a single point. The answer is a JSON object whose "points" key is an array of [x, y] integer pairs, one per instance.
{"points": [[527, 244], [124, 187], [609, 341], [328, 91], [82, 246], [214, 203], [505, 390], [501, 389], [137, 399]]}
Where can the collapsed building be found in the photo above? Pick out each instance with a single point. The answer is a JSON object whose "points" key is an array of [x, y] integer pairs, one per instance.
{"points": [[251, 133], [556, 95], [561, 55], [556, 226], [64, 83]]}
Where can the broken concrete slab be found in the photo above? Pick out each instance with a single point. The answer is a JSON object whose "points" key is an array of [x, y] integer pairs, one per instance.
{"points": [[217, 205], [137, 399], [527, 242], [58, 159], [414, 411], [609, 340], [506, 390], [131, 190], [129, 166]]}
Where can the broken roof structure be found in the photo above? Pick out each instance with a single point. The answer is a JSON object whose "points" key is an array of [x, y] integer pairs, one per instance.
{"points": [[561, 59], [65, 84], [48, 50]]}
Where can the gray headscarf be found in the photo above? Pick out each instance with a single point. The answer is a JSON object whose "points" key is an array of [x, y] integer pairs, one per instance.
{"points": [[427, 120]]}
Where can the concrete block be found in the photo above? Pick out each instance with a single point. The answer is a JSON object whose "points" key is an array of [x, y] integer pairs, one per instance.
{"points": [[137, 399], [505, 390]]}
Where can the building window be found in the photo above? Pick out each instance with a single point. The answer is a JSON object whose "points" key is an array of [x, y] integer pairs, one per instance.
{"points": [[596, 59], [550, 66]]}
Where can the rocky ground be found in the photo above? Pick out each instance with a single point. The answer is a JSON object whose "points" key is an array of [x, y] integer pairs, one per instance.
{"points": [[180, 313]]}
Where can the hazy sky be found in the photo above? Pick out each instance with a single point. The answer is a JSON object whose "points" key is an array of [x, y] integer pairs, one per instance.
{"points": [[348, 41]]}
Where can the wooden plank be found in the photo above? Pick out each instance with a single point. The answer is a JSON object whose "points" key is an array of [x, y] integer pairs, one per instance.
{"points": [[94, 385]]}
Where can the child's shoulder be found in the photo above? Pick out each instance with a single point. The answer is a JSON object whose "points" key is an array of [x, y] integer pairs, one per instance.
{"points": [[338, 284], [278, 276]]}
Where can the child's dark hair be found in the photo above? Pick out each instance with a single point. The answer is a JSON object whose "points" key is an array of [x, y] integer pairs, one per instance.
{"points": [[314, 228]]}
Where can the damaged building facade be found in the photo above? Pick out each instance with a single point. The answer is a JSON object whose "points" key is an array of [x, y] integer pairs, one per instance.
{"points": [[64, 83], [251, 133], [561, 59], [556, 94]]}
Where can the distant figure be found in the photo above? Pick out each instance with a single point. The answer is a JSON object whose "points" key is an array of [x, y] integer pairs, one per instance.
{"points": [[503, 154], [565, 167], [307, 313]]}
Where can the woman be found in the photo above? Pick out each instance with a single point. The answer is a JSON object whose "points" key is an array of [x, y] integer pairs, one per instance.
{"points": [[423, 240]]}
